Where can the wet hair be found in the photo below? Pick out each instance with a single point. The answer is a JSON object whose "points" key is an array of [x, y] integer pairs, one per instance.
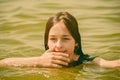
{"points": [[71, 25]]}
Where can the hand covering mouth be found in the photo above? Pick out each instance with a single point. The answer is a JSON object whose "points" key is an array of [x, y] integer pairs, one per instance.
{"points": [[62, 51]]}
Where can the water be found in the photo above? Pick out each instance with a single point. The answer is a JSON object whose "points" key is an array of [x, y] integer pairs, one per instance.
{"points": [[22, 25]]}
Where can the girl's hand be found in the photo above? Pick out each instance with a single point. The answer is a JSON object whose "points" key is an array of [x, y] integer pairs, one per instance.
{"points": [[54, 59]]}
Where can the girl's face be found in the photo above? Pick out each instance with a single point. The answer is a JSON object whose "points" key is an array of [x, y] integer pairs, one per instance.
{"points": [[60, 38]]}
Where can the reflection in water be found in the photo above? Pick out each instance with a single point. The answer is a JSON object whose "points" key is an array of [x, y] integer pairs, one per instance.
{"points": [[22, 25]]}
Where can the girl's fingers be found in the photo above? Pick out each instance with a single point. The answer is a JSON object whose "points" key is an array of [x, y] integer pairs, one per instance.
{"points": [[59, 62], [56, 65], [61, 56], [57, 59]]}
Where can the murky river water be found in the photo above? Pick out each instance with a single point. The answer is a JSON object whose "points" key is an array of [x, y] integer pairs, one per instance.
{"points": [[22, 25]]}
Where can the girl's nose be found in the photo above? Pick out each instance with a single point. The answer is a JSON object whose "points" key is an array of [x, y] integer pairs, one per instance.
{"points": [[59, 44]]}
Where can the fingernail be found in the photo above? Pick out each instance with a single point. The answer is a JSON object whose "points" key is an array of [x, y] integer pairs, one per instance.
{"points": [[67, 64], [68, 55], [68, 60]]}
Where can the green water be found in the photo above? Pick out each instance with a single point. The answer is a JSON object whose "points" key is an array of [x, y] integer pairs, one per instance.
{"points": [[22, 25]]}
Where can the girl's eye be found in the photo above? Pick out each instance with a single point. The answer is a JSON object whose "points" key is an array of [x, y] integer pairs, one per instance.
{"points": [[52, 38], [66, 38]]}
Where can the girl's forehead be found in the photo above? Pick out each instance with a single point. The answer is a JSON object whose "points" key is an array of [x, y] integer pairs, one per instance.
{"points": [[59, 28]]}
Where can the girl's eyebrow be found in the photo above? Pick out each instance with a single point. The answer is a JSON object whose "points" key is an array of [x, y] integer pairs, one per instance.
{"points": [[61, 35], [66, 35]]}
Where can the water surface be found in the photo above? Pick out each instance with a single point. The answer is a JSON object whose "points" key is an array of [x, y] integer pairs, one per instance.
{"points": [[22, 24]]}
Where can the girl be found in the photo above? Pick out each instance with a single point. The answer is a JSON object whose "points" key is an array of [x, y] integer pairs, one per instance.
{"points": [[63, 47]]}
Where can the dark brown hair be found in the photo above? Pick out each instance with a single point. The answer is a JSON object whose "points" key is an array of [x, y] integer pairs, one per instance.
{"points": [[71, 25]]}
